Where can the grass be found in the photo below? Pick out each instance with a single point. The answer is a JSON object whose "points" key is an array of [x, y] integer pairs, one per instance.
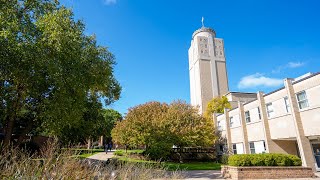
{"points": [[172, 166], [52, 163], [192, 166]]}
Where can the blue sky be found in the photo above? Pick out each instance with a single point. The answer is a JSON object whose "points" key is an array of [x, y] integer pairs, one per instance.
{"points": [[265, 41]]}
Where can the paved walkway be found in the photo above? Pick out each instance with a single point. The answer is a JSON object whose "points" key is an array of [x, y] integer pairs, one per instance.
{"points": [[102, 156], [201, 174]]}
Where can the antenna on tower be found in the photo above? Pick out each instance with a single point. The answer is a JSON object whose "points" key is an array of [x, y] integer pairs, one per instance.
{"points": [[202, 21]]}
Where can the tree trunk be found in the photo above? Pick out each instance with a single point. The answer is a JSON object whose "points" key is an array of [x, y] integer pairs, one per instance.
{"points": [[12, 117], [101, 141], [8, 131], [89, 143]]}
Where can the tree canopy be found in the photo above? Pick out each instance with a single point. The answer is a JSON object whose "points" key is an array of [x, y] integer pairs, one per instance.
{"points": [[51, 72], [159, 126], [217, 105]]}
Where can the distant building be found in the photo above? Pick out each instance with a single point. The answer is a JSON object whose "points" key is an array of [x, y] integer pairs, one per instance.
{"points": [[286, 120]]}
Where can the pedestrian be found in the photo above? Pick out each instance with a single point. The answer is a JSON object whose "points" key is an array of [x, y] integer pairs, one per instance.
{"points": [[110, 146], [106, 148]]}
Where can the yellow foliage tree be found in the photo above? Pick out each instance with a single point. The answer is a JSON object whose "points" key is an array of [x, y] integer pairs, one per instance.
{"points": [[217, 105]]}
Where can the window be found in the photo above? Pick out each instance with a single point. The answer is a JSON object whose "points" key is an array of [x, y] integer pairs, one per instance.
{"points": [[247, 114], [302, 100], [252, 149], [270, 111], [264, 145], [231, 121], [219, 125], [286, 102], [234, 148], [259, 113]]}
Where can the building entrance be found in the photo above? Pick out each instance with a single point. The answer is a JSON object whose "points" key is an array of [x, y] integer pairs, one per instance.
{"points": [[316, 152]]}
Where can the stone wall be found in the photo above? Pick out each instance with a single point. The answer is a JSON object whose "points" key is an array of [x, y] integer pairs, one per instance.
{"points": [[266, 172]]}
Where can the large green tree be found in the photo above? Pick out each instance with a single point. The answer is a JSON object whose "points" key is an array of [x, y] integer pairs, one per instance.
{"points": [[49, 68]]}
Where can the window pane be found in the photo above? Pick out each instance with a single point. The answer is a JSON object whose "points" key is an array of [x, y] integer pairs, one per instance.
{"points": [[303, 104], [252, 151], [301, 96]]}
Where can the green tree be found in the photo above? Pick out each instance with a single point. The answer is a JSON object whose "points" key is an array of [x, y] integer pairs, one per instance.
{"points": [[217, 105], [49, 68], [159, 126], [110, 118]]}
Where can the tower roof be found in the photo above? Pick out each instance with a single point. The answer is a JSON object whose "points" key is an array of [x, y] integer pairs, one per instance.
{"points": [[203, 29]]}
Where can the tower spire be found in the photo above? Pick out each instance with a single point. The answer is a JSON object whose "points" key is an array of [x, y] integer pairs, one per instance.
{"points": [[202, 21]]}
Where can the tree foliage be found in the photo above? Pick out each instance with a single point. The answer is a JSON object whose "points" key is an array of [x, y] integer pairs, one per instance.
{"points": [[217, 105], [159, 126], [50, 71]]}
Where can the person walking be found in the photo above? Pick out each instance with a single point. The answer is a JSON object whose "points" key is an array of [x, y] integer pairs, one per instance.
{"points": [[106, 148]]}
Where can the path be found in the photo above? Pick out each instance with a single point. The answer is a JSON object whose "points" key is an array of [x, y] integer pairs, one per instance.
{"points": [[102, 156], [201, 174]]}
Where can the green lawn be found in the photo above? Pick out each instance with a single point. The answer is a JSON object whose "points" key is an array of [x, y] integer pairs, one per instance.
{"points": [[193, 166], [172, 166]]}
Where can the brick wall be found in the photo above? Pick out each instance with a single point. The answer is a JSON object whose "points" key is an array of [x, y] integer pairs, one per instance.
{"points": [[266, 172]]}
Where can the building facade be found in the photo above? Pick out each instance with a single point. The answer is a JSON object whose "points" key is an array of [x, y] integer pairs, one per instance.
{"points": [[207, 67], [284, 121]]}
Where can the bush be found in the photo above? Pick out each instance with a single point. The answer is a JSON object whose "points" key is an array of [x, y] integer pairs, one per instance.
{"points": [[295, 160], [118, 153], [224, 159], [239, 160], [271, 159], [158, 151]]}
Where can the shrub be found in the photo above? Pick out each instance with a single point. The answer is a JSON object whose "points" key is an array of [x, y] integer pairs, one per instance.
{"points": [[239, 160], [257, 160], [295, 160], [224, 159], [282, 160], [271, 159], [118, 153], [158, 151]]}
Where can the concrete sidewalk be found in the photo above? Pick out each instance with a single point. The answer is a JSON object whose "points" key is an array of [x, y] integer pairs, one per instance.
{"points": [[102, 156]]}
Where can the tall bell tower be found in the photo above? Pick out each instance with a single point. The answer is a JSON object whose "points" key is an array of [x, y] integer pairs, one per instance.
{"points": [[207, 67]]}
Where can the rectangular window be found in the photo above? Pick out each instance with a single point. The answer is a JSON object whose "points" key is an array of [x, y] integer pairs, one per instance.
{"points": [[259, 113], [231, 121], [270, 111], [247, 115], [286, 102], [234, 148], [252, 149], [302, 100], [219, 125], [264, 145]]}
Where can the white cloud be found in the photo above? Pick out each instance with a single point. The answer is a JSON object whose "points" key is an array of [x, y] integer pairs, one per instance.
{"points": [[287, 66], [258, 80], [295, 64], [110, 2]]}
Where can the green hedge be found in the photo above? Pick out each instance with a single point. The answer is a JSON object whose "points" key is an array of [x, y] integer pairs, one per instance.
{"points": [[269, 159]]}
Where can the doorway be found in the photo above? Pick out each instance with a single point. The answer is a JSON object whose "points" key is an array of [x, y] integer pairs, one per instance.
{"points": [[316, 153]]}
